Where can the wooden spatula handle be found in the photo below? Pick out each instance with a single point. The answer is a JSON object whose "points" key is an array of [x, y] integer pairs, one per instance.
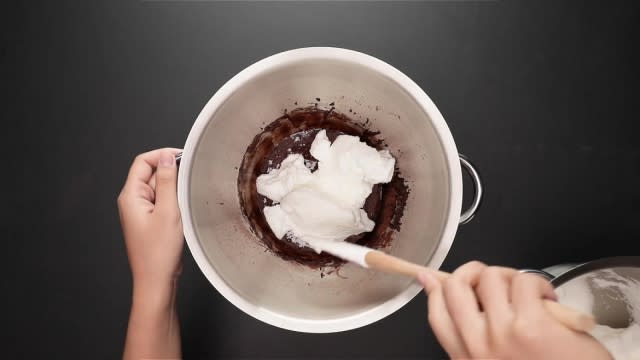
{"points": [[383, 262]]}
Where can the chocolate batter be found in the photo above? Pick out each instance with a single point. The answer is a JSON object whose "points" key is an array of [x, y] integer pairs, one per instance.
{"points": [[293, 133]]}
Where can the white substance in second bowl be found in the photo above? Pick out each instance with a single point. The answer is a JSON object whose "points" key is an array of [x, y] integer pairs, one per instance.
{"points": [[325, 205], [622, 343]]}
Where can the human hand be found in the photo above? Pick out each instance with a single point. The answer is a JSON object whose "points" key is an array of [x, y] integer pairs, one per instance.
{"points": [[152, 228], [150, 219], [488, 312]]}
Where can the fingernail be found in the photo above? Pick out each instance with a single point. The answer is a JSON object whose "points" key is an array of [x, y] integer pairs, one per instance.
{"points": [[427, 280], [167, 160]]}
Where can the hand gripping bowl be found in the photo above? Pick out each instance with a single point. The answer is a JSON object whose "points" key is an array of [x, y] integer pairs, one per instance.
{"points": [[284, 293]]}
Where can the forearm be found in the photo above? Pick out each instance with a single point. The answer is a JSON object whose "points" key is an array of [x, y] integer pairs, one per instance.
{"points": [[153, 331]]}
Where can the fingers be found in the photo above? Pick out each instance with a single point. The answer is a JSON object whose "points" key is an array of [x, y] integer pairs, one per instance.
{"points": [[527, 293], [166, 179], [494, 294], [440, 320], [494, 288], [428, 281], [146, 192], [152, 182], [141, 177], [462, 304], [144, 164]]}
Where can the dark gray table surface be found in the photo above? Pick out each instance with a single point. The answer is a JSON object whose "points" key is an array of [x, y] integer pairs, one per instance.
{"points": [[543, 96]]}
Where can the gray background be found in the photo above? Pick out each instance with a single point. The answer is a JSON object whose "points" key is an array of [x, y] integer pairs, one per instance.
{"points": [[543, 96]]}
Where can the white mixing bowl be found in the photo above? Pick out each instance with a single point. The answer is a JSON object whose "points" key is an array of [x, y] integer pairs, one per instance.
{"points": [[286, 294]]}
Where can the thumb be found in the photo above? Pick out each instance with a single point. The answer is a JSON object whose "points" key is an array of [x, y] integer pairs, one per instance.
{"points": [[166, 178]]}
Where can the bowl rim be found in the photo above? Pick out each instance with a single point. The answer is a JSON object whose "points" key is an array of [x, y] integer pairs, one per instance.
{"points": [[595, 265], [287, 58]]}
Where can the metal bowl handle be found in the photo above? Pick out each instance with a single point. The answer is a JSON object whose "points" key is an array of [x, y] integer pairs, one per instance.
{"points": [[477, 188], [543, 274]]}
